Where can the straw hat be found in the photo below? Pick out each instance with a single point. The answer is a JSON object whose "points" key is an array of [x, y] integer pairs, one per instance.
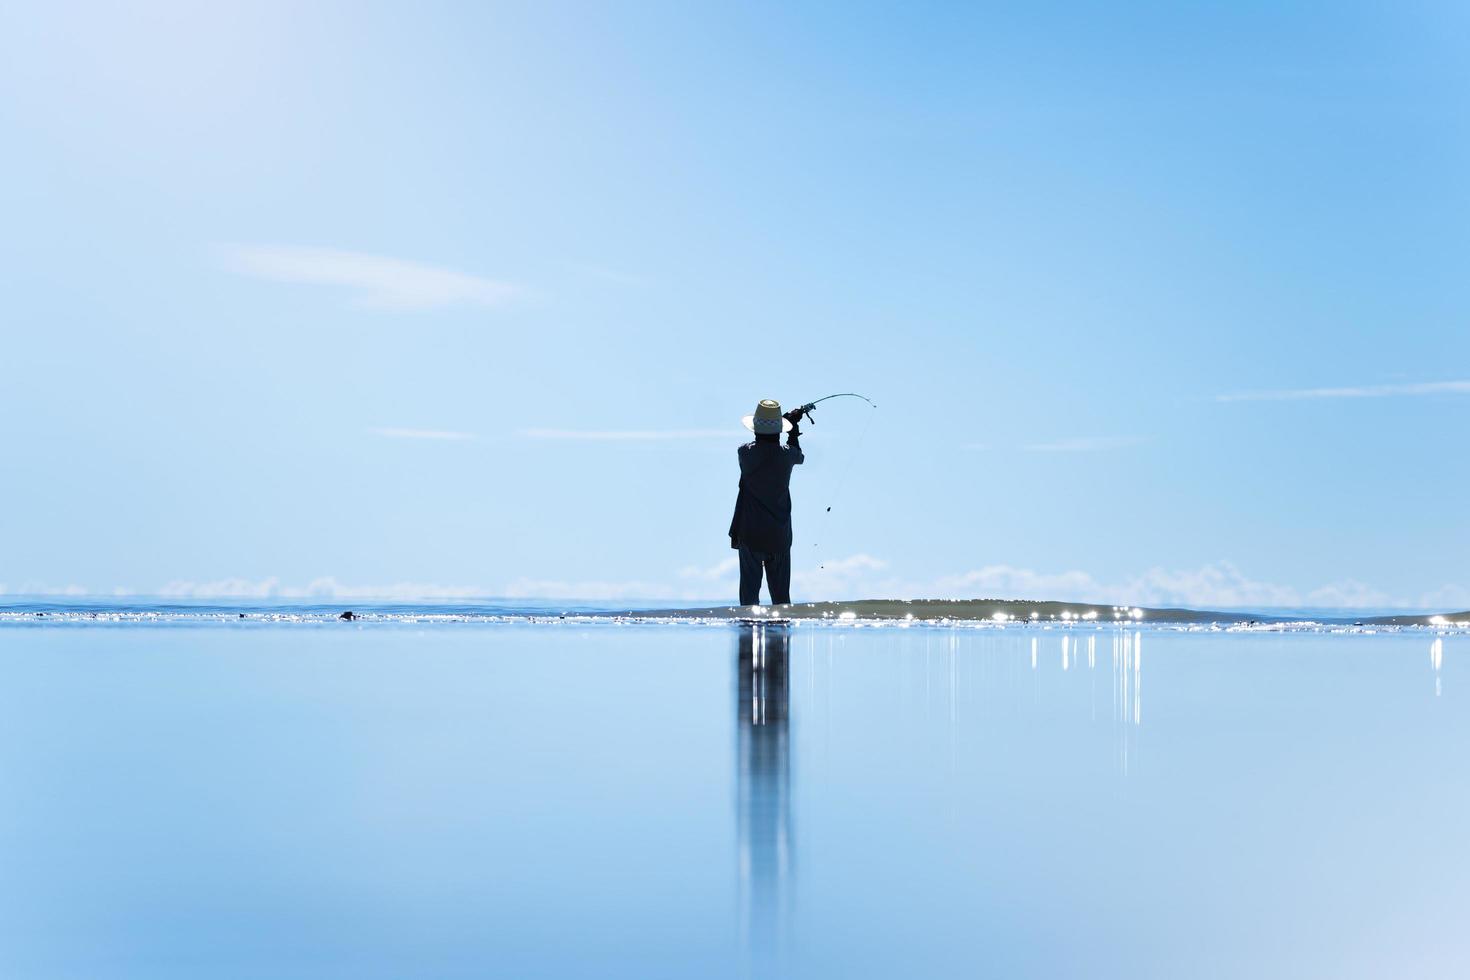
{"points": [[767, 419]]}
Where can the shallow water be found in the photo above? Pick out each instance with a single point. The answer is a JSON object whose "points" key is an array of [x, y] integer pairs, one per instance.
{"points": [[594, 799]]}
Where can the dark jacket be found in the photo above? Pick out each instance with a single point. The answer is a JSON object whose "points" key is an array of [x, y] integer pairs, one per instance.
{"points": [[762, 520]]}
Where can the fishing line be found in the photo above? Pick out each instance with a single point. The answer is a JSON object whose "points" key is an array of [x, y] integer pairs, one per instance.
{"points": [[843, 474]]}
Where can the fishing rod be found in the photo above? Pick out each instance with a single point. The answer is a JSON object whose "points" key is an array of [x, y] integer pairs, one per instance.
{"points": [[809, 407]]}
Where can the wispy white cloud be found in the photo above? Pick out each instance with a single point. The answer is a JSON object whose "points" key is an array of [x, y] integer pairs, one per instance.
{"points": [[441, 435], [1361, 391], [629, 435], [1096, 444], [378, 281]]}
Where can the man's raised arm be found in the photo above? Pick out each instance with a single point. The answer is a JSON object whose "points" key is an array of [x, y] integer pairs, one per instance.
{"points": [[793, 438]]}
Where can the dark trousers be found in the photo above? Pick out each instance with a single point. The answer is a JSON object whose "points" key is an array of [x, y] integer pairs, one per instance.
{"points": [[777, 567]]}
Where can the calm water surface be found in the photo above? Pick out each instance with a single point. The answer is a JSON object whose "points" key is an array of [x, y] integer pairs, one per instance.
{"points": [[668, 801]]}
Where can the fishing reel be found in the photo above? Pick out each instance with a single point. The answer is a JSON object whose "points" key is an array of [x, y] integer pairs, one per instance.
{"points": [[803, 412]]}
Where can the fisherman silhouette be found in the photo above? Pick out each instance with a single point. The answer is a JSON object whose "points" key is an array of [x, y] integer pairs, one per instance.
{"points": [[761, 527]]}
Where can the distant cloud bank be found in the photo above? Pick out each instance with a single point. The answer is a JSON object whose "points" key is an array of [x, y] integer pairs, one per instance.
{"points": [[860, 576], [319, 588], [1220, 584], [1362, 391], [378, 281]]}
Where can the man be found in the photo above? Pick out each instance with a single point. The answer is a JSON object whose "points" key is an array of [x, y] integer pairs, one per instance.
{"points": [[761, 527]]}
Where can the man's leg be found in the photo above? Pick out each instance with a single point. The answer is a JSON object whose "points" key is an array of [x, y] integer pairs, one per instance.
{"points": [[750, 577], [778, 575]]}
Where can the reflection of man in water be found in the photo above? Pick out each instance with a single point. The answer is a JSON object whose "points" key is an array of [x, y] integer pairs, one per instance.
{"points": [[763, 775], [761, 527]]}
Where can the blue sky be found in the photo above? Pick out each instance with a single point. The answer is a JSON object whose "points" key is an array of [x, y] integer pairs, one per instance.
{"points": [[1158, 302]]}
